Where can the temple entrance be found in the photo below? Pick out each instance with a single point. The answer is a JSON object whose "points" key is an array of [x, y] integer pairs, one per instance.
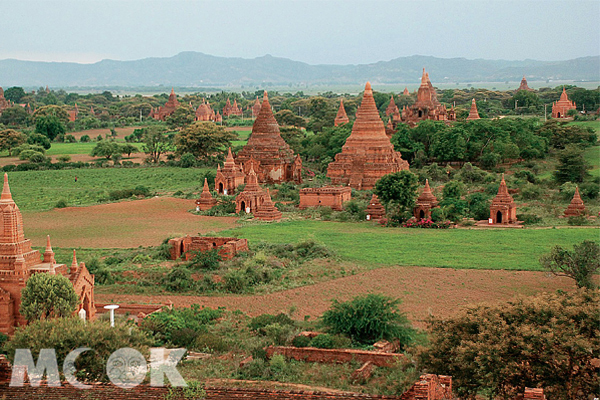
{"points": [[558, 115], [499, 217], [87, 306], [243, 205], [420, 113], [220, 187], [421, 214]]}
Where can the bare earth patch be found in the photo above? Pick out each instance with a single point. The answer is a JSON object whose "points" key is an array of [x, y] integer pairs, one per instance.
{"points": [[92, 133], [126, 224], [424, 291]]}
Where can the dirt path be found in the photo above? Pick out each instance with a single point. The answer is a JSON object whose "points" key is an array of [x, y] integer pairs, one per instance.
{"points": [[424, 291], [120, 225]]}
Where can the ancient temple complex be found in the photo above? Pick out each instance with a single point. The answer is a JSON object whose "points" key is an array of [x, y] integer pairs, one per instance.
{"points": [[169, 108], [576, 208], [206, 201], [473, 113], [368, 153], [3, 102], [229, 177], [561, 107], [267, 153], [425, 202], [523, 85], [341, 118], [427, 105], [18, 262], [232, 109], [503, 209]]}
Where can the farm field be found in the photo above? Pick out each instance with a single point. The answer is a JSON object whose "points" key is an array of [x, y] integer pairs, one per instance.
{"points": [[41, 190], [423, 291]]}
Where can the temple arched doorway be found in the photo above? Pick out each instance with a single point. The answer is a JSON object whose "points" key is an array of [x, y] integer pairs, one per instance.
{"points": [[499, 217]]}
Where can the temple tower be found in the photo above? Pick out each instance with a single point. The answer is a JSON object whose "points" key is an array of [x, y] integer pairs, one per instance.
{"points": [[473, 113], [503, 209], [425, 202], [206, 201], [341, 117], [576, 208], [230, 177], [561, 107]]}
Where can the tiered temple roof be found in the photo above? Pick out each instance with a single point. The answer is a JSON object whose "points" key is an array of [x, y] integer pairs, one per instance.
{"points": [[375, 210], [368, 153], [169, 108], [523, 85], [230, 177], [206, 200], [230, 109], [427, 105], [274, 159], [503, 209], [473, 113], [561, 107], [576, 207], [341, 117]]}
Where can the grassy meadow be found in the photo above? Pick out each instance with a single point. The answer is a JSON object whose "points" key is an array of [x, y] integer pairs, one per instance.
{"points": [[364, 243]]}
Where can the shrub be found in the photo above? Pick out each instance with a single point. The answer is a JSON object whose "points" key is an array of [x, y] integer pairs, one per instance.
{"points": [[301, 341], [529, 219], [85, 139], [278, 334], [48, 296], [323, 341], [208, 260], [578, 220], [210, 342], [70, 139], [235, 281], [258, 323], [531, 192], [64, 158], [178, 279], [62, 203], [184, 337], [367, 319], [188, 160]]}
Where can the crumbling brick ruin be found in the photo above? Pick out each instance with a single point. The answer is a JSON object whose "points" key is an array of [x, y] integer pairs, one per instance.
{"points": [[328, 196], [228, 247]]}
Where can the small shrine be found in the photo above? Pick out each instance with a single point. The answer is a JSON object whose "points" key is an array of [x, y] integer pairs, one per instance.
{"points": [[524, 86], [229, 177], [425, 202], [228, 247], [204, 112], [576, 208], [427, 105], [406, 92], [206, 200], [375, 210], [267, 211], [391, 108], [560, 108], [252, 197], [473, 113], [161, 113], [341, 117], [230, 109], [503, 209]]}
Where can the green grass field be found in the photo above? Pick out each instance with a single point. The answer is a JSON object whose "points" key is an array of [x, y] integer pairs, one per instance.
{"points": [[592, 157], [511, 249], [77, 148], [40, 190]]}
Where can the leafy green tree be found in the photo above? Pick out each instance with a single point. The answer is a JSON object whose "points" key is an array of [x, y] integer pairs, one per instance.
{"points": [[128, 149], [39, 140], [183, 116], [572, 166], [549, 340], [367, 319], [453, 190], [106, 149], [156, 142], [203, 140], [9, 139], [65, 334], [561, 134], [287, 117], [580, 264], [14, 116], [14, 94], [49, 126], [48, 296], [526, 99], [208, 260], [398, 190]]}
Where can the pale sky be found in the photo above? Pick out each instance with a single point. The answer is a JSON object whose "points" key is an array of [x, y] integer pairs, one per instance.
{"points": [[312, 31]]}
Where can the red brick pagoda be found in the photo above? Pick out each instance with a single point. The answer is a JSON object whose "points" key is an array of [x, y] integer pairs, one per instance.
{"points": [[368, 153], [503, 209], [425, 202], [523, 85], [391, 108], [18, 262], [252, 197], [256, 108], [206, 201], [375, 210], [473, 113], [561, 107], [341, 118], [274, 160], [230, 109], [406, 92], [169, 108], [576, 208], [427, 105], [267, 211], [204, 112], [230, 177]]}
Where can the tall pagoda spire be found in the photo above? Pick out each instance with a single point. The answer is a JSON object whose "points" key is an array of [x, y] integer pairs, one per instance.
{"points": [[576, 207], [473, 113], [49, 253], [6, 195], [74, 264], [341, 117]]}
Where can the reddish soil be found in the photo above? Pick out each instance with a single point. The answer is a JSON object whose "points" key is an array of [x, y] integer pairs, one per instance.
{"points": [[93, 133], [424, 291], [121, 225]]}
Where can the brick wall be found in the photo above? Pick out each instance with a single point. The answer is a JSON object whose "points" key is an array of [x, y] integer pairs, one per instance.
{"points": [[311, 354]]}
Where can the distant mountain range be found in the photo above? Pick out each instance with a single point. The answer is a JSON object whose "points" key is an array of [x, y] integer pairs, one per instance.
{"points": [[192, 69]]}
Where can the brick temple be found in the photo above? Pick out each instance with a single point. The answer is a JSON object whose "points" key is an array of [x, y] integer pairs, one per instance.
{"points": [[524, 86], [18, 262], [368, 153], [161, 113], [272, 158], [375, 210], [228, 247], [205, 112], [427, 105], [254, 200], [473, 113], [561, 107], [503, 209], [576, 208], [328, 196], [232, 109], [229, 177], [341, 118], [425, 202], [256, 108], [206, 200]]}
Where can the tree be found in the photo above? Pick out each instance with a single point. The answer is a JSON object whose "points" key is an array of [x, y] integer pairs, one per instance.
{"points": [[398, 189], [203, 139], [571, 165], [39, 139], [182, 116], [156, 142], [128, 149], [549, 340], [13, 116], [14, 94], [367, 319], [287, 117], [9, 139], [581, 264], [106, 149], [49, 126], [48, 296]]}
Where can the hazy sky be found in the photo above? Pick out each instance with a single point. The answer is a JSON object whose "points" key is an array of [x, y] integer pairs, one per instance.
{"points": [[316, 32]]}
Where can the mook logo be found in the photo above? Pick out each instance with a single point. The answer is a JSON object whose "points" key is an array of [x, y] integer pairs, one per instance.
{"points": [[125, 368]]}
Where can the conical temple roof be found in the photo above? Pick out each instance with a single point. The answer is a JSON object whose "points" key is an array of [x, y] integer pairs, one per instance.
{"points": [[267, 211], [252, 182], [341, 117], [6, 195], [229, 161], [576, 207], [473, 113], [368, 123], [427, 195], [503, 196], [265, 130]]}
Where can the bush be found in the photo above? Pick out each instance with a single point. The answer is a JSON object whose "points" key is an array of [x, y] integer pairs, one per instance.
{"points": [[301, 341], [258, 323], [208, 260], [529, 219], [48, 296], [210, 342], [62, 203], [85, 139], [235, 281], [367, 319], [64, 158], [187, 160], [140, 191], [70, 139], [531, 192], [178, 279], [323, 341], [278, 334]]}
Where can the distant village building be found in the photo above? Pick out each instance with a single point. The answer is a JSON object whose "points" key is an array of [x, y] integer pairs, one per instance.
{"points": [[328, 196], [267, 153], [560, 108], [473, 113], [18, 262], [427, 105], [524, 86], [161, 113], [341, 118], [368, 153]]}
